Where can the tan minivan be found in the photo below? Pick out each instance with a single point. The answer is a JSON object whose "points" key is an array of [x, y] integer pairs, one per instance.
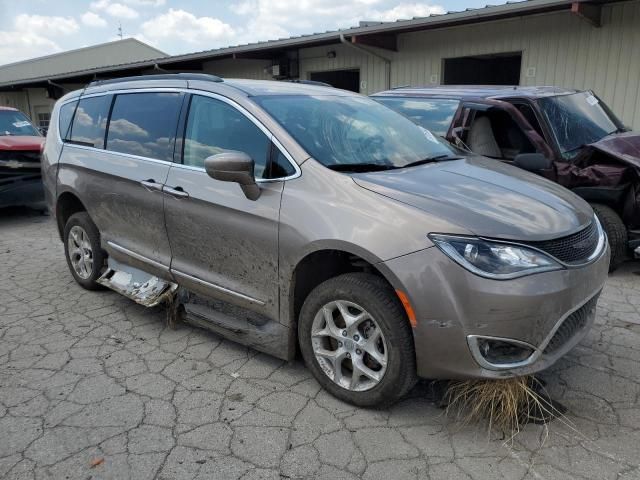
{"points": [[283, 215]]}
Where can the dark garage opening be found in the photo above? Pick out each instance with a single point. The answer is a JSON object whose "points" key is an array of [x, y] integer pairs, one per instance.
{"points": [[345, 79], [498, 69]]}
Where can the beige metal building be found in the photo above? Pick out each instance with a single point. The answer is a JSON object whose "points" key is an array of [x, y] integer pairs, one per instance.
{"points": [[591, 44]]}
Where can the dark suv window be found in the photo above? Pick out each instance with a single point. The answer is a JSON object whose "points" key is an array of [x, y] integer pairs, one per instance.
{"points": [[90, 121], [214, 127], [144, 124]]}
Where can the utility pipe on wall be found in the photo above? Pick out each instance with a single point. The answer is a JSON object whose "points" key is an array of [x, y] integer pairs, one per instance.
{"points": [[386, 60]]}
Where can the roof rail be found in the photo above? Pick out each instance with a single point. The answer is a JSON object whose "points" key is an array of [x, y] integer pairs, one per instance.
{"points": [[160, 76], [309, 82]]}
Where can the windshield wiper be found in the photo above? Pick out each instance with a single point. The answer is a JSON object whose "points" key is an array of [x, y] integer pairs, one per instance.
{"points": [[360, 167], [435, 158]]}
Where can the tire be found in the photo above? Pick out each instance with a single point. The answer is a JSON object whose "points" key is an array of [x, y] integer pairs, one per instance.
{"points": [[382, 309], [86, 277], [616, 233]]}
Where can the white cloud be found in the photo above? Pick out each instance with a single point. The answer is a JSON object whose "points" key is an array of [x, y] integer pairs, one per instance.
{"points": [[405, 11], [114, 9], [269, 19], [91, 19], [30, 36], [145, 3], [44, 25], [180, 25]]}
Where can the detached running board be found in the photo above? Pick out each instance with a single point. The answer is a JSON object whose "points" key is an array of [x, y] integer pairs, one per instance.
{"points": [[139, 286]]}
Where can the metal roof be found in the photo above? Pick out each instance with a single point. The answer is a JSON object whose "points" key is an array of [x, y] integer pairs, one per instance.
{"points": [[452, 18]]}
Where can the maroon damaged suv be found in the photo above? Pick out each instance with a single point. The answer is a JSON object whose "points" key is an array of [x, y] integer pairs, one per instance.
{"points": [[20, 151], [568, 136]]}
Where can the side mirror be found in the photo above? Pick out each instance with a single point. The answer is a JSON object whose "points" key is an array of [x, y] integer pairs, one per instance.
{"points": [[532, 162], [234, 167], [43, 131]]}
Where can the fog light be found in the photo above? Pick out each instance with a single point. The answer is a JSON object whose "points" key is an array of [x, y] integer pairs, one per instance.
{"points": [[499, 352]]}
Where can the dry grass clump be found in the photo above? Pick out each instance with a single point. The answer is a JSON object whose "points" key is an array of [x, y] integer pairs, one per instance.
{"points": [[507, 404]]}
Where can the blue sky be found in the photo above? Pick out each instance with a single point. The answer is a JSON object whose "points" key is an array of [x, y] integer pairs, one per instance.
{"points": [[34, 28]]}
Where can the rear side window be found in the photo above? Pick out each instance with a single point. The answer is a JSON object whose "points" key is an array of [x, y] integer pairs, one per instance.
{"points": [[144, 124], [90, 121], [64, 119], [215, 127], [433, 114]]}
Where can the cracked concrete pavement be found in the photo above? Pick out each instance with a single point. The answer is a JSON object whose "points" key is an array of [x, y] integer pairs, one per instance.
{"points": [[93, 385]]}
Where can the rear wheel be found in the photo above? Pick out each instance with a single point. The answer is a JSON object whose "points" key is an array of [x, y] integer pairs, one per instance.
{"points": [[85, 256], [616, 233], [356, 340]]}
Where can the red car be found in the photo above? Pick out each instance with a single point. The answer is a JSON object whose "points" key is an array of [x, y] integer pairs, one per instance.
{"points": [[20, 147]]}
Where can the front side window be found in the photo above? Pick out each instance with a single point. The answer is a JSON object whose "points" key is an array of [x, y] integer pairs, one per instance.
{"points": [[13, 122], [215, 127], [352, 133], [90, 121], [144, 124], [435, 115]]}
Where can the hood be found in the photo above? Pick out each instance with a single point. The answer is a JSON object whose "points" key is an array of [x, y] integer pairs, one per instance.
{"points": [[485, 197], [16, 142], [622, 146]]}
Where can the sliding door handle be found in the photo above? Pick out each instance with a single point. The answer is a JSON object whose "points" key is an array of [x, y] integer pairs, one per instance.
{"points": [[177, 192], [151, 185]]}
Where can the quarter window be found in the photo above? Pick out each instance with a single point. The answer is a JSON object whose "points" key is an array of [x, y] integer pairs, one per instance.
{"points": [[214, 127], [144, 124], [64, 119], [90, 121]]}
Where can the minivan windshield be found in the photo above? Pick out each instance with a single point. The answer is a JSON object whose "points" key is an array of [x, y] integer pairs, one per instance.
{"points": [[351, 133], [578, 119], [16, 123]]}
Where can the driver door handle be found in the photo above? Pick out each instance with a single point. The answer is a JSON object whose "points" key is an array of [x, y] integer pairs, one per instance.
{"points": [[177, 192], [151, 185]]}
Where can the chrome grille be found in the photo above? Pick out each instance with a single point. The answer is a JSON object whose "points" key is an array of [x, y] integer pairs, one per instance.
{"points": [[571, 325], [574, 248]]}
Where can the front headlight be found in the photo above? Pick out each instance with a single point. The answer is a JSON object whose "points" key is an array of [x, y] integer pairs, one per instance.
{"points": [[496, 260]]}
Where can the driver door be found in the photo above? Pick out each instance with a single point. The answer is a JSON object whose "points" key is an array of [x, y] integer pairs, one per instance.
{"points": [[223, 245]]}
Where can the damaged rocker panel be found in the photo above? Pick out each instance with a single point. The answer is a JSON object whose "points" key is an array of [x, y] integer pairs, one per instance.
{"points": [[139, 286]]}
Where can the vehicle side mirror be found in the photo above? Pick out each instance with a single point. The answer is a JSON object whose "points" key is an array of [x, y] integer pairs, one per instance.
{"points": [[234, 167], [43, 131], [532, 162]]}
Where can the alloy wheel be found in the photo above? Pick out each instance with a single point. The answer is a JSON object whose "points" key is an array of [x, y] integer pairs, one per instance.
{"points": [[349, 346], [80, 252]]}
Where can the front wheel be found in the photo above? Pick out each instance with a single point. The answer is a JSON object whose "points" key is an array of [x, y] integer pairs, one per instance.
{"points": [[616, 232], [355, 338]]}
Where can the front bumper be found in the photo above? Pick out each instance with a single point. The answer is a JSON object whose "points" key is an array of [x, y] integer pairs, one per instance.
{"points": [[454, 306]]}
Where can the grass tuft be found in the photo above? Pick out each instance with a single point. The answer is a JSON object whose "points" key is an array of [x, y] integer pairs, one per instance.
{"points": [[507, 404]]}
